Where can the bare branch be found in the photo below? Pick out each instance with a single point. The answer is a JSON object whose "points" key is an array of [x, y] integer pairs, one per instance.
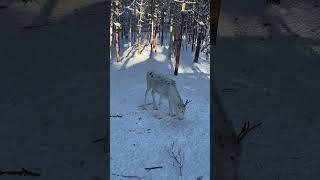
{"points": [[126, 176], [177, 155], [245, 130]]}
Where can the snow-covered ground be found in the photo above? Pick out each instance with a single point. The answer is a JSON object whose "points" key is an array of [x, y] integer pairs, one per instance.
{"points": [[52, 95], [274, 80], [138, 140]]}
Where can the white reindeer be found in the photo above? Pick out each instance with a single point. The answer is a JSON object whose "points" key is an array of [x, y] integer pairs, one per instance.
{"points": [[158, 83]]}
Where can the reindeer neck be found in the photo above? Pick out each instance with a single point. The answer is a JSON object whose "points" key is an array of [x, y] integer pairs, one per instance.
{"points": [[179, 99]]}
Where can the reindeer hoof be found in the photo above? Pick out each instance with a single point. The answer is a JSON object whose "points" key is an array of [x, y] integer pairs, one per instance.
{"points": [[144, 108], [155, 107]]}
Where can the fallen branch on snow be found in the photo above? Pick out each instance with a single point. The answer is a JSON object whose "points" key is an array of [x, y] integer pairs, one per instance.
{"points": [[36, 26], [119, 116], [150, 168], [132, 177], [22, 172], [246, 128], [98, 140]]}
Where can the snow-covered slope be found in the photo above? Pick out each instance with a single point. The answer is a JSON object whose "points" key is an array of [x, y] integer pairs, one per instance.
{"points": [[138, 139], [274, 80]]}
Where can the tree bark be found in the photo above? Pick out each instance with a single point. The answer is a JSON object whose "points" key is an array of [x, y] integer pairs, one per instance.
{"points": [[152, 26], [111, 33], [171, 36], [179, 44], [117, 11], [215, 13], [162, 26], [140, 26], [197, 53]]}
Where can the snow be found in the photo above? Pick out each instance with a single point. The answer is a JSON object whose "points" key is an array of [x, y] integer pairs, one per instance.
{"points": [[138, 139], [117, 24], [275, 81], [52, 101]]}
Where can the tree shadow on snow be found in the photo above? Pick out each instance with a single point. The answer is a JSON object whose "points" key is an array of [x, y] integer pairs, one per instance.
{"points": [[282, 63]]}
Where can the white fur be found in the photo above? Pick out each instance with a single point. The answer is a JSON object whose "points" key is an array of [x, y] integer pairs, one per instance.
{"points": [[158, 83]]}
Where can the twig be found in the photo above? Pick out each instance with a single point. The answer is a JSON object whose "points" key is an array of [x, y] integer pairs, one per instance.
{"points": [[23, 172], [36, 26], [133, 177], [246, 129], [119, 116], [98, 140], [150, 168], [177, 156]]}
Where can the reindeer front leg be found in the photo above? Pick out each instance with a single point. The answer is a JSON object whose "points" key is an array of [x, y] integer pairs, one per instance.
{"points": [[145, 98], [160, 101], [154, 100], [170, 107]]}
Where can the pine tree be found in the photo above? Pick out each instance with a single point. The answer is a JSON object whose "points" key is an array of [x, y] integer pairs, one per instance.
{"points": [[118, 26], [139, 25]]}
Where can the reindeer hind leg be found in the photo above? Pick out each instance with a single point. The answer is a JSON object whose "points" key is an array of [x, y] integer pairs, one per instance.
{"points": [[154, 100]]}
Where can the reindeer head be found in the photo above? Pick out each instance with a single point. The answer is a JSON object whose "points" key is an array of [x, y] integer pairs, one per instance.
{"points": [[187, 101], [181, 108]]}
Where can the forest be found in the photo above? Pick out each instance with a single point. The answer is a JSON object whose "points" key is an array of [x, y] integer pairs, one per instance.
{"points": [[142, 23]]}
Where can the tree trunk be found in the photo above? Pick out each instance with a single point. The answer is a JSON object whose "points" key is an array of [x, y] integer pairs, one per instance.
{"points": [[171, 36], [179, 45], [140, 26], [194, 29], [129, 30], [196, 55], [117, 11], [152, 26], [133, 30], [111, 33], [156, 25], [177, 57], [215, 13], [193, 41], [162, 26], [155, 37], [150, 29]]}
